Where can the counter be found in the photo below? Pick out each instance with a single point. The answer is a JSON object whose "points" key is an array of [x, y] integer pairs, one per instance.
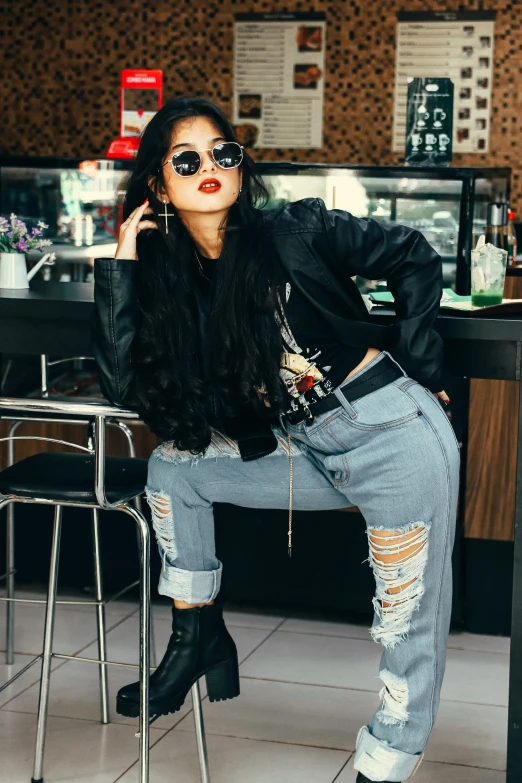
{"points": [[55, 318]]}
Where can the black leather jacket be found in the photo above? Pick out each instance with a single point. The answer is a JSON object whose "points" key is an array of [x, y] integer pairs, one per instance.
{"points": [[320, 250]]}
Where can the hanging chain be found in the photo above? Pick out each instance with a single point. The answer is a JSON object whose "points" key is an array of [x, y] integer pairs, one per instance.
{"points": [[291, 495]]}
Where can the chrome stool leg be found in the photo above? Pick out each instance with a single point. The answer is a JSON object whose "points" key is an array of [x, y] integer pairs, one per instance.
{"points": [[126, 430], [100, 619], [10, 558], [43, 702], [200, 733], [143, 728]]}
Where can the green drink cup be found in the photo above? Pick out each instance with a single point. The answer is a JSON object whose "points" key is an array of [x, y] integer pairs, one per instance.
{"points": [[488, 273]]}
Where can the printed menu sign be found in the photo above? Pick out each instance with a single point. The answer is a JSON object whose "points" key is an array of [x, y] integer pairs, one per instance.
{"points": [[453, 44], [279, 79]]}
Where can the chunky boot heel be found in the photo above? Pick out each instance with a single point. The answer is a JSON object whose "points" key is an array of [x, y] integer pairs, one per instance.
{"points": [[223, 680]]}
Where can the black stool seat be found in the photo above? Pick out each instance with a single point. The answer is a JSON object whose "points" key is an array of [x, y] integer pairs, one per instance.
{"points": [[70, 477]]}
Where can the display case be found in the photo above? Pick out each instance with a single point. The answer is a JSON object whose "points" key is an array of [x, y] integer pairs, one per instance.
{"points": [[448, 205], [81, 201]]}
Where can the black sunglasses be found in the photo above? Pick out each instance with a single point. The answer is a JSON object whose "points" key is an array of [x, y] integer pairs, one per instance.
{"points": [[226, 155]]}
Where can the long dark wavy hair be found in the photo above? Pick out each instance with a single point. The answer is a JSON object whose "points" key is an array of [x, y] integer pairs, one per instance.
{"points": [[176, 398]]}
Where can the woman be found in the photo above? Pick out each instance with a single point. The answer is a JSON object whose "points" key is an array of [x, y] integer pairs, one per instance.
{"points": [[241, 338]]}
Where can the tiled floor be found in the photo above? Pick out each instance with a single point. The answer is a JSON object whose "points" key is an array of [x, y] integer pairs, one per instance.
{"points": [[307, 685]]}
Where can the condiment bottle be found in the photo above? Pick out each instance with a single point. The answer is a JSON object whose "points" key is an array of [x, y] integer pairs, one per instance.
{"points": [[496, 229], [512, 239]]}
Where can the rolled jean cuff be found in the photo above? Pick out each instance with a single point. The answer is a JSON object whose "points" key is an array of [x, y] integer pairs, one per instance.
{"points": [[193, 587], [378, 761]]}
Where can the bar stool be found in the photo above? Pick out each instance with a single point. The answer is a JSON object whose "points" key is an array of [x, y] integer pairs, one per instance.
{"points": [[94, 481], [10, 570]]}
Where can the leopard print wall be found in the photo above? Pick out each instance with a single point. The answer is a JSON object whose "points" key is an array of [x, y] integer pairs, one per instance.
{"points": [[61, 63]]}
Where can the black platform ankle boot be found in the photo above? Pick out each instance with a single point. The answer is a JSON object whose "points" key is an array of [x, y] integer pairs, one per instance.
{"points": [[200, 645], [363, 779]]}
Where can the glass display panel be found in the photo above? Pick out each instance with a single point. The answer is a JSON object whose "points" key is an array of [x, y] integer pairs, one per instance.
{"points": [[430, 205], [81, 204]]}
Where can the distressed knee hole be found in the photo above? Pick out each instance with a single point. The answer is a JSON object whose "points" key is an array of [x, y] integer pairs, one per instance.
{"points": [[398, 559], [163, 522]]}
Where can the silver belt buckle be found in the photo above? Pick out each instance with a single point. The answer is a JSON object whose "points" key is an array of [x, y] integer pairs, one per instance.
{"points": [[309, 415]]}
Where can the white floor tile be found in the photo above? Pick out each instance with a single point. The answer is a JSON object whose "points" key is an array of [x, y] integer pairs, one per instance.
{"points": [[469, 734], [476, 677], [330, 717], [75, 693], [303, 623], [253, 617], [233, 760], [281, 712], [72, 629], [461, 640], [430, 772], [319, 660], [30, 677], [76, 751], [306, 690]]}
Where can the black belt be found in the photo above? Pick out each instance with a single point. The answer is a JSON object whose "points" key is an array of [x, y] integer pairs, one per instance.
{"points": [[382, 373]]}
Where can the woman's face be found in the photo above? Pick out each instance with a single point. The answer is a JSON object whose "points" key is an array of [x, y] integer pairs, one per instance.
{"points": [[188, 194]]}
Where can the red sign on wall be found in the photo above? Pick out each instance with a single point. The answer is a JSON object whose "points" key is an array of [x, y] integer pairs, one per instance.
{"points": [[141, 97]]}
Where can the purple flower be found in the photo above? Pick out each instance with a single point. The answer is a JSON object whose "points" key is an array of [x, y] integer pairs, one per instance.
{"points": [[37, 232], [21, 246]]}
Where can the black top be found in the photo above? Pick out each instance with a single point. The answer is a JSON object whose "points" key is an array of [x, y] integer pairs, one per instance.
{"points": [[320, 251], [307, 335]]}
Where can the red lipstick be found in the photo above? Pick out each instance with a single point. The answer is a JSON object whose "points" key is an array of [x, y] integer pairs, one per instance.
{"points": [[210, 185]]}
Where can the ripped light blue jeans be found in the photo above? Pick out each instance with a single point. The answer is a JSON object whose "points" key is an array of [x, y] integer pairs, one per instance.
{"points": [[393, 454]]}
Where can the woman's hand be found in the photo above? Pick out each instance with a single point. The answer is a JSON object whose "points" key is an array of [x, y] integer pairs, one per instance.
{"points": [[443, 396], [130, 229]]}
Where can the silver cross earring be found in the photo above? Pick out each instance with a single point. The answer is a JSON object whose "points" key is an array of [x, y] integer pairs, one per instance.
{"points": [[238, 195], [166, 215]]}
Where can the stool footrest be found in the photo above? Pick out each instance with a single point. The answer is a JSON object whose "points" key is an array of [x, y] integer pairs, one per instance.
{"points": [[19, 674], [97, 661]]}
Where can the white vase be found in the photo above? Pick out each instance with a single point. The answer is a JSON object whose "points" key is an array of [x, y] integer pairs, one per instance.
{"points": [[13, 270]]}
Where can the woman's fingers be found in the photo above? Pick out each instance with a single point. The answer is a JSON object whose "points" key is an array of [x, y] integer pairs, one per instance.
{"points": [[139, 211], [136, 222], [136, 216], [443, 397], [146, 224]]}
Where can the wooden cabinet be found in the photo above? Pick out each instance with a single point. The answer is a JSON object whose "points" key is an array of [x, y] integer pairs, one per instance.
{"points": [[492, 452]]}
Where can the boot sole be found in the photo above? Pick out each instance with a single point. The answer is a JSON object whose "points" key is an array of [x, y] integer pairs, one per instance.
{"points": [[222, 683]]}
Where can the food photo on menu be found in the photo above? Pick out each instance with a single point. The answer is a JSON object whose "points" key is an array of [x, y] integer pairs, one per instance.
{"points": [[249, 106], [247, 134], [306, 76], [310, 39]]}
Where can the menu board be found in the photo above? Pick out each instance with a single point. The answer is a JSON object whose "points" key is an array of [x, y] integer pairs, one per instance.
{"points": [[456, 45], [279, 79]]}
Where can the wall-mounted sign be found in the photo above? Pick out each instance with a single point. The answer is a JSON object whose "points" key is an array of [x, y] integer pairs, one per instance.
{"points": [[456, 45], [279, 79], [429, 122], [141, 98]]}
